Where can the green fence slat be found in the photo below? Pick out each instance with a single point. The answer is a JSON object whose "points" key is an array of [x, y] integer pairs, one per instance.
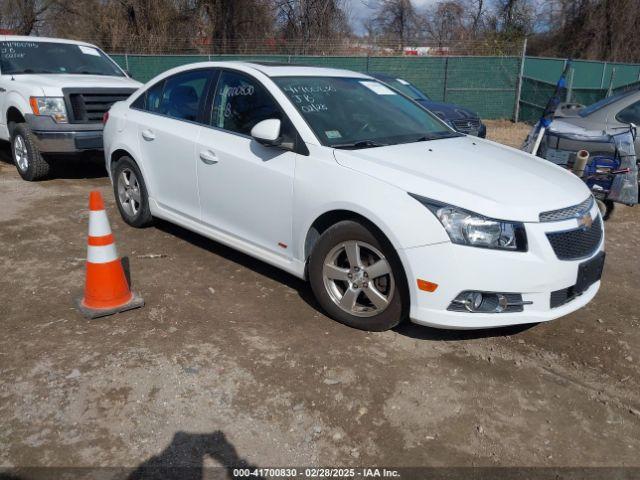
{"points": [[486, 85]]}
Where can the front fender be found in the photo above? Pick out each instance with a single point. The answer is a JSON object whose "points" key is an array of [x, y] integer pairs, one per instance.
{"points": [[17, 101], [402, 219]]}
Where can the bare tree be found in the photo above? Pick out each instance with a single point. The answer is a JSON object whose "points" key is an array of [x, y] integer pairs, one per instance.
{"points": [[445, 23], [23, 16], [396, 20], [312, 22]]}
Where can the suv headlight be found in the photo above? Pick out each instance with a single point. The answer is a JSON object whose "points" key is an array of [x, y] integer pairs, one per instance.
{"points": [[468, 228], [50, 106]]}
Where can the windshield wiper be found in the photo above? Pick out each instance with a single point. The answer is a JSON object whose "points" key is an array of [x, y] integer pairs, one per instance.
{"points": [[426, 138], [360, 144]]}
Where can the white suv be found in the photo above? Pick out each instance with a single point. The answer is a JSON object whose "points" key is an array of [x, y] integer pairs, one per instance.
{"points": [[336, 178], [53, 94]]}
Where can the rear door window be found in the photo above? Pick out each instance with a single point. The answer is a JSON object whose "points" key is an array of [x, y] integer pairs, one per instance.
{"points": [[630, 114], [150, 100], [183, 95]]}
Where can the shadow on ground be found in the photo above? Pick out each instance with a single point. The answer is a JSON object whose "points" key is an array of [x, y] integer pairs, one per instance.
{"points": [[408, 329], [421, 332], [303, 288], [183, 459], [70, 167]]}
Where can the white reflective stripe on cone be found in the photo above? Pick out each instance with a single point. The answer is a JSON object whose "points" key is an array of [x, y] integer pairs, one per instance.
{"points": [[102, 254], [98, 223]]}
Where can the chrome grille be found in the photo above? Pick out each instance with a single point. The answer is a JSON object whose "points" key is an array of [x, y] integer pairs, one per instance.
{"points": [[466, 125], [567, 213], [578, 243]]}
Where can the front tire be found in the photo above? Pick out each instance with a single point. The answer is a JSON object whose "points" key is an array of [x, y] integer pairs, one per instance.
{"points": [[357, 278], [27, 158], [131, 193]]}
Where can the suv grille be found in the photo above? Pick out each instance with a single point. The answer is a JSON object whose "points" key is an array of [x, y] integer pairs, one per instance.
{"points": [[467, 125], [567, 213], [578, 243], [89, 105]]}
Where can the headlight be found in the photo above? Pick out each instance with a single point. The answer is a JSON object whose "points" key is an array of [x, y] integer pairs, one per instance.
{"points": [[468, 228], [50, 106]]}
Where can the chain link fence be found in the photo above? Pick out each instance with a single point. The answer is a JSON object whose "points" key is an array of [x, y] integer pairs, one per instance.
{"points": [[587, 82], [494, 79], [481, 76]]}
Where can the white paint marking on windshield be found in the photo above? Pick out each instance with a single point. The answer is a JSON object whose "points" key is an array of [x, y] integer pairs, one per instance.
{"points": [[89, 51], [378, 88]]}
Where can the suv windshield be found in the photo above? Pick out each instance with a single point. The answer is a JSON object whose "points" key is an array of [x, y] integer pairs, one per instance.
{"points": [[360, 112], [23, 57]]}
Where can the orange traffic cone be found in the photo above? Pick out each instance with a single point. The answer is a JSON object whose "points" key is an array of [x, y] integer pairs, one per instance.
{"points": [[106, 288]]}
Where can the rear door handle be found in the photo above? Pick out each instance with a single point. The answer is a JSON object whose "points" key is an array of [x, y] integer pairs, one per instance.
{"points": [[2, 89], [148, 135], [208, 157]]}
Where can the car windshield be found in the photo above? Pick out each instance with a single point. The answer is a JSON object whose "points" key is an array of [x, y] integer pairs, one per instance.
{"points": [[25, 57], [354, 113], [406, 88], [586, 111]]}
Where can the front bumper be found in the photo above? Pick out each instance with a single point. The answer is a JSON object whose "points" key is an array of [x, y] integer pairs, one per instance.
{"points": [[535, 274], [52, 137]]}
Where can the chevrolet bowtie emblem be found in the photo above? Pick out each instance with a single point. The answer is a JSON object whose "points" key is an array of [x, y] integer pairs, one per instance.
{"points": [[585, 221]]}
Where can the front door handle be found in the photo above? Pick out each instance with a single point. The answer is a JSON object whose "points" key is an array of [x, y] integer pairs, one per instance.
{"points": [[208, 157], [148, 135], [2, 89]]}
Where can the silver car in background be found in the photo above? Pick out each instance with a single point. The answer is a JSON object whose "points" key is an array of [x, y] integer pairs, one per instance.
{"points": [[610, 115]]}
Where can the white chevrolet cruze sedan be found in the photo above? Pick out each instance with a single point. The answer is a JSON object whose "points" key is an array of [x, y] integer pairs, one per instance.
{"points": [[335, 178]]}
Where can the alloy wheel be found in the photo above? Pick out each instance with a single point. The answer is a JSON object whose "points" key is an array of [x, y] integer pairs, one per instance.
{"points": [[358, 278], [20, 152], [129, 192]]}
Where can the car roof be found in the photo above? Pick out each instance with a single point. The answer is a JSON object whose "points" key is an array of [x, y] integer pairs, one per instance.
{"points": [[23, 38], [607, 103], [273, 69]]}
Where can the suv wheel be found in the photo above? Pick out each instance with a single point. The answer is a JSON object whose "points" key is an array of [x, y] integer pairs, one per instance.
{"points": [[131, 193], [28, 160], [357, 278]]}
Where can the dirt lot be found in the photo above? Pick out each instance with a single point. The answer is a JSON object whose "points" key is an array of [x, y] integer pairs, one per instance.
{"points": [[232, 360]]}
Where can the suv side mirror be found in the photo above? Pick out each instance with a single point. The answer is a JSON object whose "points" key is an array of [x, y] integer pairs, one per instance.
{"points": [[267, 132]]}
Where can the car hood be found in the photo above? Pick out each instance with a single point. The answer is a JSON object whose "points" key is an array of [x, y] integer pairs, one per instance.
{"points": [[52, 84], [477, 175], [449, 111]]}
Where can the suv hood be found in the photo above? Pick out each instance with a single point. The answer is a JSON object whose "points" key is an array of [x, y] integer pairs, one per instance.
{"points": [[52, 84], [477, 175]]}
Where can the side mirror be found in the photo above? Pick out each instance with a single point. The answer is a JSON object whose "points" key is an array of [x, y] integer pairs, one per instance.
{"points": [[267, 132]]}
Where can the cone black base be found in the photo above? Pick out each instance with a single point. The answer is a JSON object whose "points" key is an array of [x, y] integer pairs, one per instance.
{"points": [[91, 313]]}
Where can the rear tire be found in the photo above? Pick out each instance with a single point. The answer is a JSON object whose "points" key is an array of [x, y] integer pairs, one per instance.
{"points": [[131, 193], [357, 277], [27, 158]]}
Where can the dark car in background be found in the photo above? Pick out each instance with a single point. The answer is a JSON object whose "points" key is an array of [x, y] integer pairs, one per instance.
{"points": [[460, 118]]}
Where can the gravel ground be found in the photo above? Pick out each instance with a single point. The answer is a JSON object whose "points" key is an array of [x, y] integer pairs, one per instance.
{"points": [[231, 360], [507, 132]]}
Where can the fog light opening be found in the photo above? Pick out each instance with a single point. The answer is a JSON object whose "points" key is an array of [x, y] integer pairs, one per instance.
{"points": [[474, 301]]}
